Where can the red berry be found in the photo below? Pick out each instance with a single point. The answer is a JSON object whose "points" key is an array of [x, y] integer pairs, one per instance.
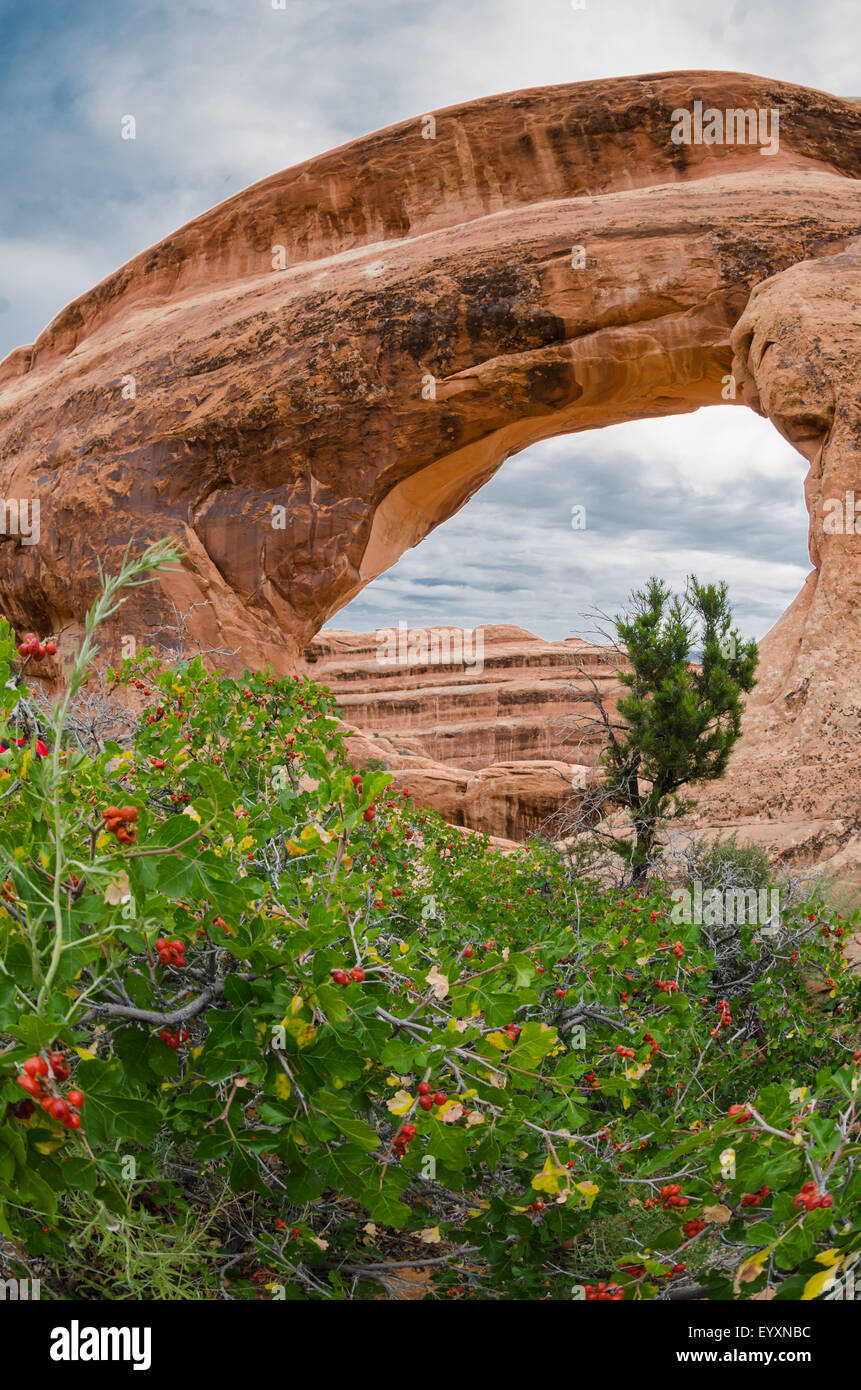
{"points": [[73, 1122], [36, 1066], [424, 1088], [75, 1098], [340, 977], [426, 1102], [59, 1109], [357, 974], [439, 1098], [29, 1084]]}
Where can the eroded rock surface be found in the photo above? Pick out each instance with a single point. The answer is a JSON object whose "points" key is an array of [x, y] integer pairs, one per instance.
{"points": [[484, 743]]}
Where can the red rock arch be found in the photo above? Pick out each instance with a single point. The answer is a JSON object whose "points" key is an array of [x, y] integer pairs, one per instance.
{"points": [[451, 258]]}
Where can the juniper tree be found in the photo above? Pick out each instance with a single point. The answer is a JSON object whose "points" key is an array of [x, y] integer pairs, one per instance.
{"points": [[683, 670]]}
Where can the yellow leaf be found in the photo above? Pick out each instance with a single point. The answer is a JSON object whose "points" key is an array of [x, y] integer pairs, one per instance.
{"points": [[192, 814], [49, 1146], [501, 1041], [590, 1191], [818, 1283], [494, 1078], [751, 1268], [399, 1103], [550, 1178], [283, 1089], [293, 848], [85, 1054]]}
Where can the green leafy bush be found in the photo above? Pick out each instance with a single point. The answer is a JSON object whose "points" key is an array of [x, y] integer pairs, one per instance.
{"points": [[359, 1041]]}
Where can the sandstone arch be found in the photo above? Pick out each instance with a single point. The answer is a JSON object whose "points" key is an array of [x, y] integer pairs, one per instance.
{"points": [[451, 258]]}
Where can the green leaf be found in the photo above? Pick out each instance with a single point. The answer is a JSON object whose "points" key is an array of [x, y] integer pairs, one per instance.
{"points": [[339, 1111]]}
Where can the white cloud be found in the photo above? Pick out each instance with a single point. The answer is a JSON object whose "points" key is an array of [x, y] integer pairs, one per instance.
{"points": [[717, 493]]}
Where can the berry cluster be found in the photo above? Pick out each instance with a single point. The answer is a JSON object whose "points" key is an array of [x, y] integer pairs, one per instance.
{"points": [[625, 1051], [653, 1046], [724, 1017], [611, 1292], [678, 950], [428, 1101], [671, 1196], [120, 821], [640, 1271], [174, 1039], [170, 952], [513, 1031], [41, 748], [31, 646], [667, 986], [36, 1074], [740, 1114], [809, 1198], [342, 977], [755, 1199], [693, 1228], [405, 1135], [535, 1206]]}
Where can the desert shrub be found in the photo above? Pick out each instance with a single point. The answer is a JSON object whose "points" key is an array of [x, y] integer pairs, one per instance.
{"points": [[362, 1041], [725, 863]]}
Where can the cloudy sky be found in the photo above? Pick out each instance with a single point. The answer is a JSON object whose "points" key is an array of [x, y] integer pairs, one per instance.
{"points": [[225, 92]]}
